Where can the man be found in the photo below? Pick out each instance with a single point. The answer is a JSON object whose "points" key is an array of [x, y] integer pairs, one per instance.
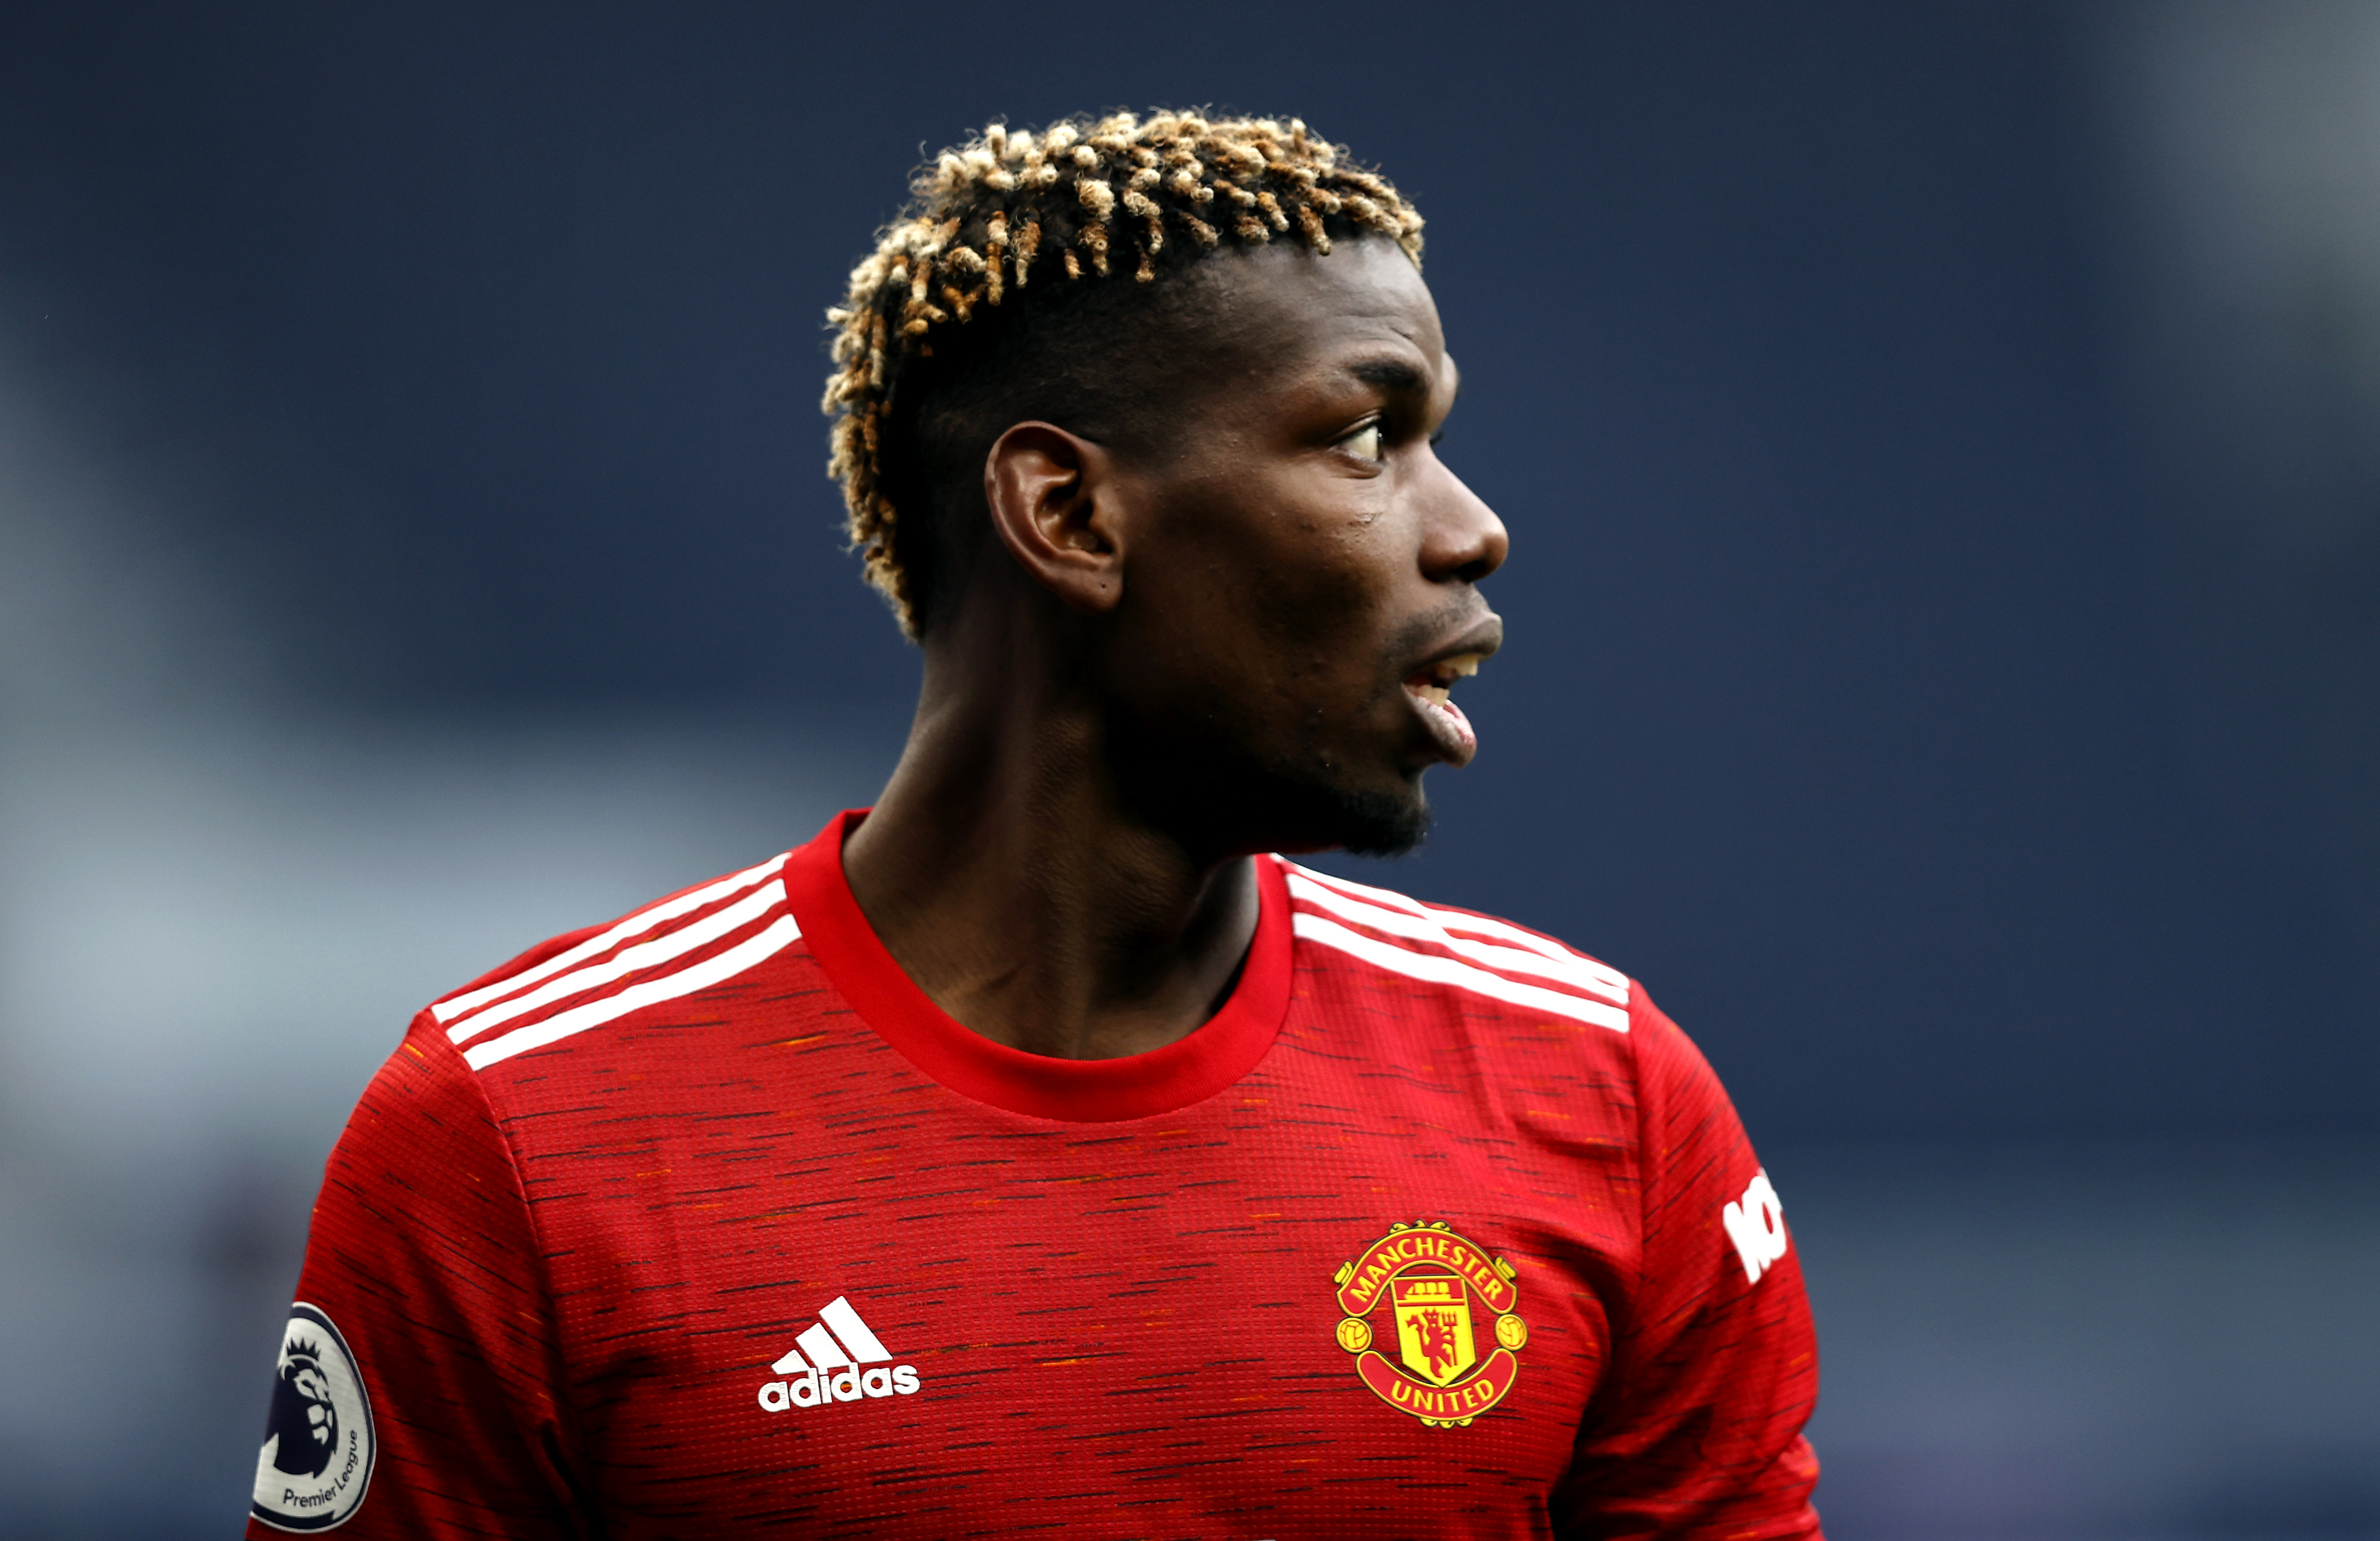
{"points": [[1040, 1151]]}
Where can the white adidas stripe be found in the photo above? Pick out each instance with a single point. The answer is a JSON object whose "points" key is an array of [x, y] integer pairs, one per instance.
{"points": [[643, 920], [825, 1352], [1426, 928], [839, 1315], [1433, 969], [1608, 981], [1388, 897], [1616, 984], [753, 949], [628, 960]]}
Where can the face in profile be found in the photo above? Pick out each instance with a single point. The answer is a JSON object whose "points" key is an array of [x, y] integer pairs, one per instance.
{"points": [[1300, 590], [304, 1417]]}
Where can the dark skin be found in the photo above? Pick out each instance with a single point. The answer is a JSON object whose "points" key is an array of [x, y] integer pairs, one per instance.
{"points": [[1179, 656]]}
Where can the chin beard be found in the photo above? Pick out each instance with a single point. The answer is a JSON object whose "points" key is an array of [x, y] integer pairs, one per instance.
{"points": [[1363, 824], [1218, 802]]}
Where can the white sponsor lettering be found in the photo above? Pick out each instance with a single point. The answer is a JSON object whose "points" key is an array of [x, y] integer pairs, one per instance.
{"points": [[1755, 1223]]}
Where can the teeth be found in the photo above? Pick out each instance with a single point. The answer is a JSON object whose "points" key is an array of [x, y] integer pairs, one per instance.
{"points": [[1433, 685]]}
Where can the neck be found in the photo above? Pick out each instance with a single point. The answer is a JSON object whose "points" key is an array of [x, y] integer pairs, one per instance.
{"points": [[1007, 872]]}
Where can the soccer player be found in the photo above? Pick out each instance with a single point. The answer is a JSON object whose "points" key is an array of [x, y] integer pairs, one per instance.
{"points": [[1042, 1151]]}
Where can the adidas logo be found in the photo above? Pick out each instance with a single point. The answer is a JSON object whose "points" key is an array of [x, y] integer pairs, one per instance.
{"points": [[843, 1364]]}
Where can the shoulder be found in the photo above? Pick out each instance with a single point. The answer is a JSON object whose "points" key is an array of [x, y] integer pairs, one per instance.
{"points": [[682, 942], [1457, 950]]}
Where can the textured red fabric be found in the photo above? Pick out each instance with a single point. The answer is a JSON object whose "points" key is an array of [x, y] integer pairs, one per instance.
{"points": [[566, 1248]]}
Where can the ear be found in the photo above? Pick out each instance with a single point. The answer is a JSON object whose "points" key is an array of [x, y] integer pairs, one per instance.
{"points": [[1053, 499]]}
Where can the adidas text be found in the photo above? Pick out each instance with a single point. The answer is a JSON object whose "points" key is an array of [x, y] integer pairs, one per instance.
{"points": [[810, 1388]]}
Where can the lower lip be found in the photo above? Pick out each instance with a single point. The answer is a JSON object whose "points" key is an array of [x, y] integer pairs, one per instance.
{"points": [[1449, 726]]}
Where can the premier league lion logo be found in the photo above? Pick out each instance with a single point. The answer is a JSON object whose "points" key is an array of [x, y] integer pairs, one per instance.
{"points": [[317, 1458], [304, 1427]]}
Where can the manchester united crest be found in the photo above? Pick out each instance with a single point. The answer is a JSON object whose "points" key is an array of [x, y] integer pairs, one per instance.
{"points": [[1416, 1289]]}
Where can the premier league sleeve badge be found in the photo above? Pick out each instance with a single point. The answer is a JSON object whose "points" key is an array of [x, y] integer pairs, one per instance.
{"points": [[317, 1458]]}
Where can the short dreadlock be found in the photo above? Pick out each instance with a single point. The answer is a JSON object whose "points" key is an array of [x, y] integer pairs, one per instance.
{"points": [[939, 310]]}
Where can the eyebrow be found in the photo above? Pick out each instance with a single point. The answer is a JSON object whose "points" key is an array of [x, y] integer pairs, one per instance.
{"points": [[1398, 377], [1389, 374]]}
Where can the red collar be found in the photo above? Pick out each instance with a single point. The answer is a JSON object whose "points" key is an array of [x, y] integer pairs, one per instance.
{"points": [[1092, 1091]]}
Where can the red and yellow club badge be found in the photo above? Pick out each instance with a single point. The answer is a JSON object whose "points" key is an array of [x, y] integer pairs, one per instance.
{"points": [[1426, 1279]]}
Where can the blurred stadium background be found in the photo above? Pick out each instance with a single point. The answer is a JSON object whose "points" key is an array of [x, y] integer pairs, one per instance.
{"points": [[1942, 448]]}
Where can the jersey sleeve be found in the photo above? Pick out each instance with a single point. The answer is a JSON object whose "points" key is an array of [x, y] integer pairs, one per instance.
{"points": [[423, 1264], [1698, 1431]]}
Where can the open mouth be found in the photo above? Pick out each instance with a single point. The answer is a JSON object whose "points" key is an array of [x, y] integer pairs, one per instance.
{"points": [[1431, 690]]}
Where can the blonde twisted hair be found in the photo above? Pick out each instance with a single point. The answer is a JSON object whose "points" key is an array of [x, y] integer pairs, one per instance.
{"points": [[1085, 198]]}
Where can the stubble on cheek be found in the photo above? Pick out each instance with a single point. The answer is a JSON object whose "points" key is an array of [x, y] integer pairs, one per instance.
{"points": [[1271, 714]]}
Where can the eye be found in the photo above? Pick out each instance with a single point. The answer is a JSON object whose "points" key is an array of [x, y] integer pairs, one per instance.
{"points": [[1365, 444]]}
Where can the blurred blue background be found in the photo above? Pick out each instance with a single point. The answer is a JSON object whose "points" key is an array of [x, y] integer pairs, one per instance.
{"points": [[1942, 451]]}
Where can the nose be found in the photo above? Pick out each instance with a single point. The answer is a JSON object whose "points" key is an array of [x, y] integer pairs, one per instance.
{"points": [[1463, 542]]}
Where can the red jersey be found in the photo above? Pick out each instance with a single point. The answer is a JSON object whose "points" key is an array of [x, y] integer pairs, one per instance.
{"points": [[710, 1223]]}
